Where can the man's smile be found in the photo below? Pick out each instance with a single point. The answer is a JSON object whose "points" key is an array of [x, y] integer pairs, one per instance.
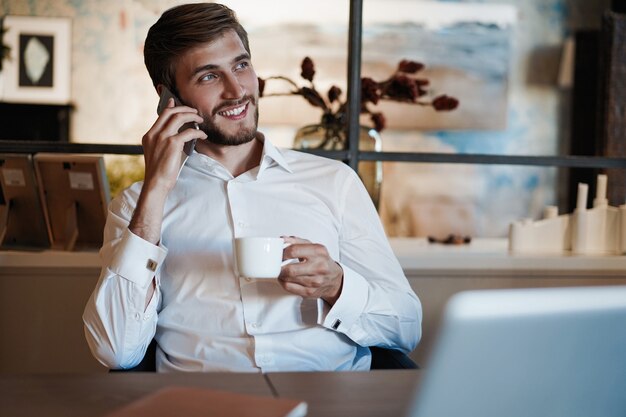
{"points": [[235, 113]]}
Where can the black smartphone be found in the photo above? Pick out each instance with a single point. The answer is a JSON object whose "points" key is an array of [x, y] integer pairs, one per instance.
{"points": [[166, 94]]}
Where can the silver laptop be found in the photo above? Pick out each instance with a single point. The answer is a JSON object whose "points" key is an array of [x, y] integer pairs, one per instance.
{"points": [[558, 352]]}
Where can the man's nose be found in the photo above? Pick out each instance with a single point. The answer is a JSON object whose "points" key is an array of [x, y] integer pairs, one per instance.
{"points": [[232, 88]]}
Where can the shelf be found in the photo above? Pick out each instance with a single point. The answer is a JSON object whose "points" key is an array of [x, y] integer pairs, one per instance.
{"points": [[416, 256], [491, 257], [31, 147]]}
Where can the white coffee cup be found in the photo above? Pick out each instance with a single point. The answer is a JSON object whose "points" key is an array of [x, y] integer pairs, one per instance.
{"points": [[259, 257]]}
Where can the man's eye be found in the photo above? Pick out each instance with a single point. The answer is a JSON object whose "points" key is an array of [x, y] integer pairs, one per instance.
{"points": [[242, 65], [208, 77]]}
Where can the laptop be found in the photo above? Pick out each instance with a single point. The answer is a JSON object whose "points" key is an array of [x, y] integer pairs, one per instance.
{"points": [[558, 352]]}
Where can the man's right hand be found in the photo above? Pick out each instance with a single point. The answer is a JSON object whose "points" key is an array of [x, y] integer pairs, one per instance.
{"points": [[162, 147]]}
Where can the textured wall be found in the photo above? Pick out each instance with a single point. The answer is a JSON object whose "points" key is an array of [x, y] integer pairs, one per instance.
{"points": [[115, 103]]}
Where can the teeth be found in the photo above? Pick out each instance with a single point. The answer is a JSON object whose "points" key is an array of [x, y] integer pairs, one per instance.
{"points": [[234, 112]]}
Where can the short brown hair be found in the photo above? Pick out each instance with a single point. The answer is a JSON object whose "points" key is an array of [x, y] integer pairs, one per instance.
{"points": [[182, 28]]}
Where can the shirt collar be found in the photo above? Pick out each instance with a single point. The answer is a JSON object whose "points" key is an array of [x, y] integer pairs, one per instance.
{"points": [[271, 152]]}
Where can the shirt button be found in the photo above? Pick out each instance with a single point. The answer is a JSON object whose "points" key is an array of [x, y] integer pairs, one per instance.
{"points": [[137, 316], [254, 325], [241, 224]]}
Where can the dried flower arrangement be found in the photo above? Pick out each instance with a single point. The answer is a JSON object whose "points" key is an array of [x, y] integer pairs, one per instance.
{"points": [[402, 86]]}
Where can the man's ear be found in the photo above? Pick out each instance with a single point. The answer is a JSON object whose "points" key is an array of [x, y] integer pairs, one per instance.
{"points": [[159, 89]]}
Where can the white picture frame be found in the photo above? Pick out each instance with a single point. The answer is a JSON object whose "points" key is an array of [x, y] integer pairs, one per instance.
{"points": [[39, 66]]}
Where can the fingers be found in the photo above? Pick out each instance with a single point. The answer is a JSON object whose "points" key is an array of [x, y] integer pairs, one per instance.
{"points": [[175, 117], [326, 286], [301, 248], [317, 275], [164, 142], [294, 239], [164, 135], [172, 120], [313, 259]]}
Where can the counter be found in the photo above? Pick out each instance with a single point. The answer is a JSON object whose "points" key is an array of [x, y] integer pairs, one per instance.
{"points": [[42, 294], [416, 255]]}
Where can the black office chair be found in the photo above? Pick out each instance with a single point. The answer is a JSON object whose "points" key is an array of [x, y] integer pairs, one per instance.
{"points": [[147, 364], [381, 359], [390, 359]]}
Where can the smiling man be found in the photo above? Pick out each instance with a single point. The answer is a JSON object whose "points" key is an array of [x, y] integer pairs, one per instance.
{"points": [[168, 272]]}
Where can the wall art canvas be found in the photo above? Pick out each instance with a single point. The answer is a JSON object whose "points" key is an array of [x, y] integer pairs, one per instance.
{"points": [[465, 47], [466, 50]]}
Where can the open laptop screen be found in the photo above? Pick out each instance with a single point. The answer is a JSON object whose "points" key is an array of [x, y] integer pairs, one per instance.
{"points": [[558, 352]]}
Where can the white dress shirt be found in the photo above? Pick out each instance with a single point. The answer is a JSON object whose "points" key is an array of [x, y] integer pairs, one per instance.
{"points": [[205, 318]]}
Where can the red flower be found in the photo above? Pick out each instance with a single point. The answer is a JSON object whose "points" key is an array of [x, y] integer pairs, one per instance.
{"points": [[410, 67], [401, 88], [421, 83], [334, 93], [379, 121], [369, 90], [445, 103], [308, 69]]}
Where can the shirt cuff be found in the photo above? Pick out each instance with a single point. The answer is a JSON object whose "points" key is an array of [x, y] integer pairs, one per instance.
{"points": [[136, 259], [349, 307]]}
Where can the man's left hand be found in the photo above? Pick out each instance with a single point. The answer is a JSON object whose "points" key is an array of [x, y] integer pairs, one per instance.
{"points": [[317, 275]]}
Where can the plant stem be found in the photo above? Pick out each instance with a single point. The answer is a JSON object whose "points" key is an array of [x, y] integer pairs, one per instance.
{"points": [[280, 77]]}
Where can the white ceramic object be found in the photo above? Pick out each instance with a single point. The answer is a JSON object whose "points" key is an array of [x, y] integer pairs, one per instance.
{"points": [[259, 257], [600, 230], [550, 235]]}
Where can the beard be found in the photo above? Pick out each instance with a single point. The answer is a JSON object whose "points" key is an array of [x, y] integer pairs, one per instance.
{"points": [[219, 137]]}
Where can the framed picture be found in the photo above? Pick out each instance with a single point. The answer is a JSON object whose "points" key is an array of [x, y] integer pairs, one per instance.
{"points": [[39, 64]]}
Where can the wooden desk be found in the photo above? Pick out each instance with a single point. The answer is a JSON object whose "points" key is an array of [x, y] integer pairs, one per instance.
{"points": [[355, 394], [358, 394], [97, 394]]}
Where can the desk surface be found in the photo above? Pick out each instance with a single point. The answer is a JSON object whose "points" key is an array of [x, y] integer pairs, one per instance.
{"points": [[377, 393], [97, 394], [358, 394]]}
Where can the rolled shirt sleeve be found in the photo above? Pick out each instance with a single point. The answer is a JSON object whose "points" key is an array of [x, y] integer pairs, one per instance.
{"points": [[377, 306], [366, 314], [118, 324]]}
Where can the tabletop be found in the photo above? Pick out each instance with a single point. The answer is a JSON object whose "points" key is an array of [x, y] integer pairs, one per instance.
{"points": [[328, 394], [95, 395], [360, 394]]}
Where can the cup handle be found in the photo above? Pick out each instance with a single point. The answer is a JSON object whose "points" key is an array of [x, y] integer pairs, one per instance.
{"points": [[288, 261]]}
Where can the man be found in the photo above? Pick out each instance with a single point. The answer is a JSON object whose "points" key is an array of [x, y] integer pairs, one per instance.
{"points": [[168, 264]]}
